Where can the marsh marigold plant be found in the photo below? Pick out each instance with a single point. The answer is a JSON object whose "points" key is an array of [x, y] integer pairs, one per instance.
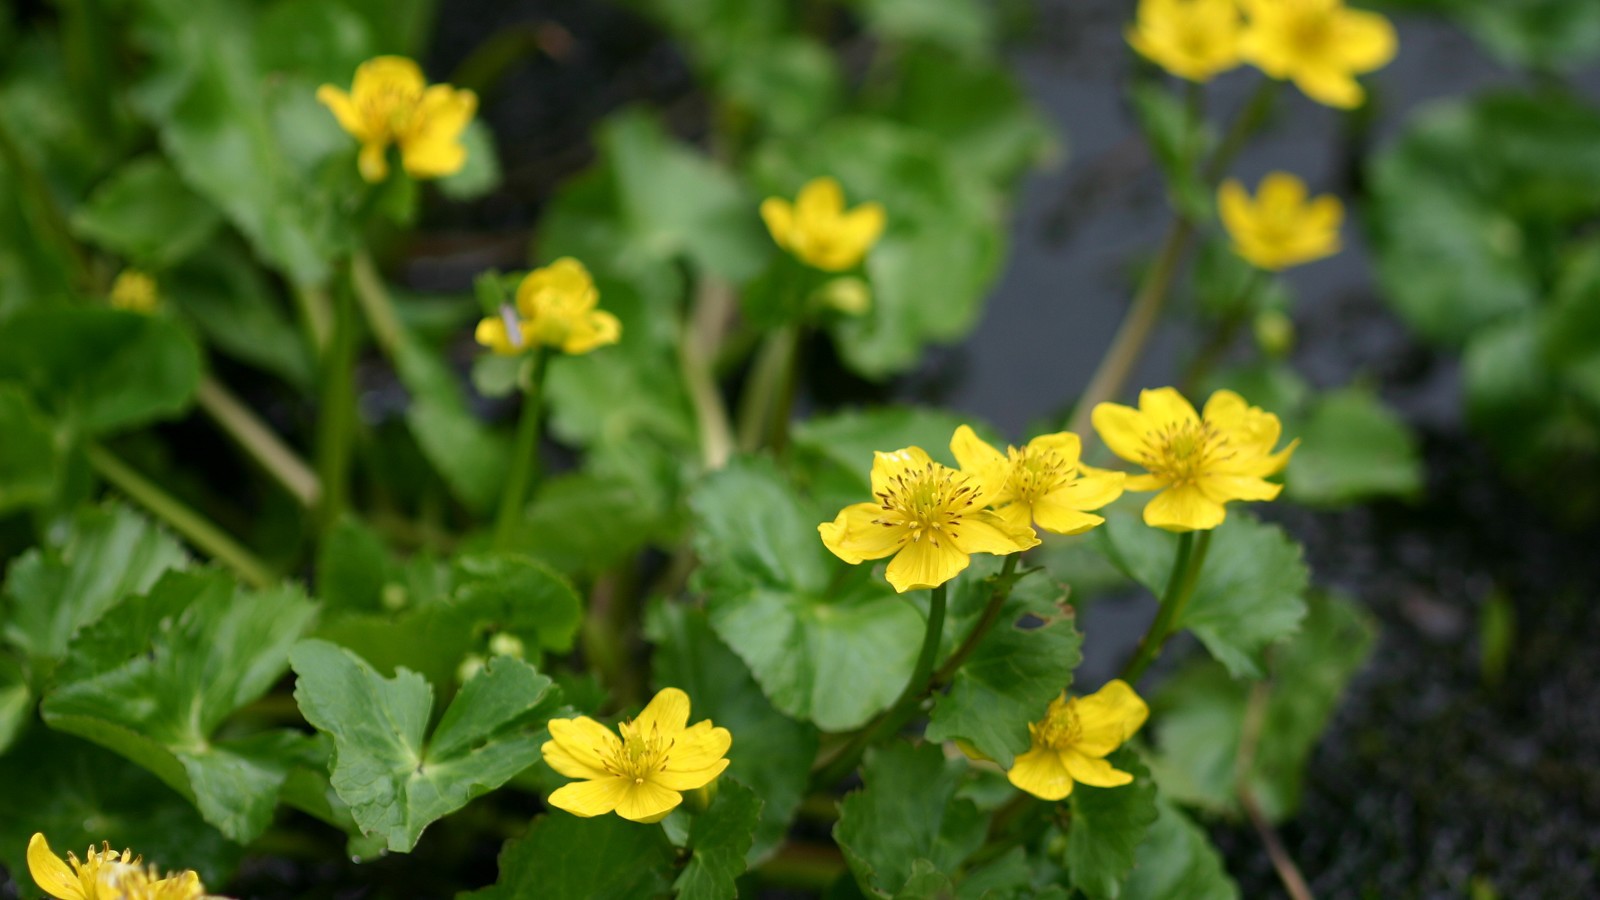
{"points": [[556, 306], [1069, 745], [929, 517], [1042, 482], [1199, 463], [106, 874], [1320, 45], [1193, 39], [818, 230], [390, 103], [1280, 227], [640, 775]]}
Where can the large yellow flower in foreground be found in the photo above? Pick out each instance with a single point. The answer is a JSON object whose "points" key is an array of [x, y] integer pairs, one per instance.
{"points": [[642, 775], [1320, 45], [557, 306], [818, 230], [1043, 482], [1193, 39], [391, 103], [1071, 742], [1199, 463], [929, 517], [1280, 228], [105, 874]]}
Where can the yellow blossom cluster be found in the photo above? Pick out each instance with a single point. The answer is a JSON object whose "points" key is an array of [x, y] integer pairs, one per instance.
{"points": [[106, 874], [1320, 45], [390, 103]]}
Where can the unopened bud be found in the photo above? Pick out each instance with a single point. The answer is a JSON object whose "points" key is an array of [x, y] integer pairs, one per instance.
{"points": [[505, 643], [1274, 333], [469, 668], [851, 296]]}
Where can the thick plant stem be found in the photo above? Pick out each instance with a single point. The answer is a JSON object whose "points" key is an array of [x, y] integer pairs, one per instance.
{"points": [[336, 420], [771, 380], [697, 352], [897, 714], [524, 455], [316, 311], [375, 303], [991, 614], [1180, 587], [197, 529], [261, 442]]}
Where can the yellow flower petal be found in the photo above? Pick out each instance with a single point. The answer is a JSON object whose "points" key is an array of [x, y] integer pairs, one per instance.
{"points": [[700, 748], [1058, 519], [675, 779], [1366, 40], [645, 801], [591, 798], [855, 535], [343, 109], [1091, 491], [1122, 428], [820, 198], [373, 162], [778, 214], [577, 747], [50, 872], [597, 329], [1041, 773], [1165, 407], [1063, 443], [1093, 772], [985, 532], [924, 564], [1225, 488], [667, 713], [888, 466], [1107, 718], [973, 453], [862, 226], [1183, 508]]}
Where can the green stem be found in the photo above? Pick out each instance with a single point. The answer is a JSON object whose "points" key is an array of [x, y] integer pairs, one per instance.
{"points": [[524, 455], [259, 441], [1223, 335], [48, 215], [1244, 125], [376, 304], [991, 614], [197, 529], [896, 716], [771, 377], [714, 303], [1180, 587], [316, 312], [336, 419]]}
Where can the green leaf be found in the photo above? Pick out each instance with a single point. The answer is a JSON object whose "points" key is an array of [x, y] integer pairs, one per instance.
{"points": [[1024, 662], [1200, 714], [603, 858], [771, 752], [353, 567], [157, 680], [1541, 35], [221, 290], [206, 96], [30, 465], [145, 213], [472, 459], [789, 82], [1181, 142], [719, 840], [827, 645], [1177, 862], [101, 370], [521, 596], [394, 782], [78, 795], [481, 174], [835, 452], [965, 26], [585, 523], [1250, 592], [1107, 824], [1353, 448], [107, 554], [907, 812]]}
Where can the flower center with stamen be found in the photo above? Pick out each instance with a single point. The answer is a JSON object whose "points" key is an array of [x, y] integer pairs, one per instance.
{"points": [[928, 501], [639, 755], [1180, 452], [1060, 728], [1035, 474]]}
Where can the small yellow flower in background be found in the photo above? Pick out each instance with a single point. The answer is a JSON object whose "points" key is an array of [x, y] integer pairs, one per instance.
{"points": [[817, 229], [1193, 39], [642, 775], [1199, 463], [929, 517], [556, 307], [105, 874], [1043, 482], [1320, 45], [1281, 228], [134, 291], [391, 103], [1071, 742]]}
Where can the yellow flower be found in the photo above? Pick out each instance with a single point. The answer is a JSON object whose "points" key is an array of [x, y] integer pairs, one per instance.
{"points": [[642, 775], [1043, 482], [505, 334], [817, 229], [556, 306], [105, 874], [1071, 742], [391, 103], [929, 517], [134, 291], [1318, 44], [1198, 463], [1193, 39], [1280, 229]]}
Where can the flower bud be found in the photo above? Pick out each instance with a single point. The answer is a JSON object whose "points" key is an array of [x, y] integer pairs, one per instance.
{"points": [[505, 643], [1274, 333]]}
